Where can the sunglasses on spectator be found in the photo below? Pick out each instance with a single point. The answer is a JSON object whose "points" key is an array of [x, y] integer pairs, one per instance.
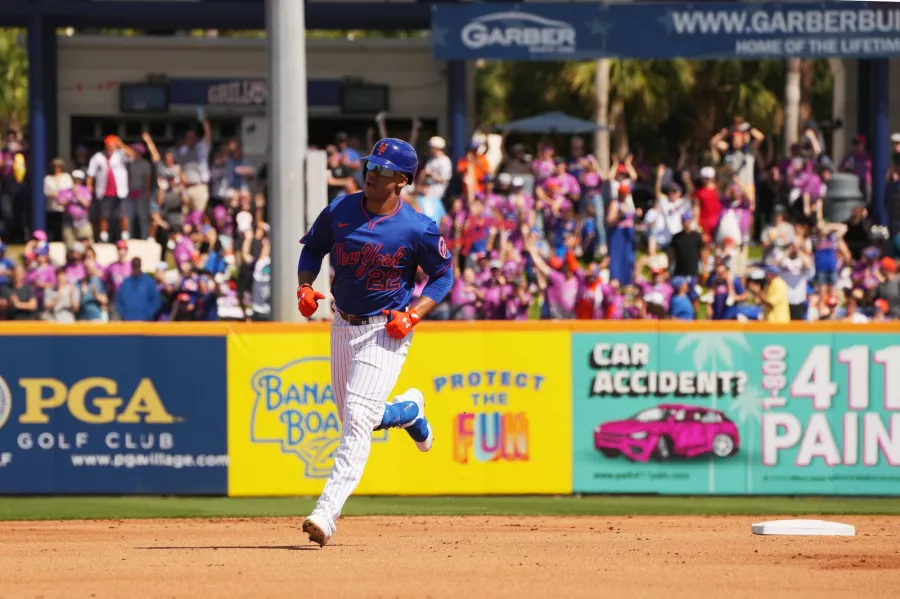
{"points": [[382, 170]]}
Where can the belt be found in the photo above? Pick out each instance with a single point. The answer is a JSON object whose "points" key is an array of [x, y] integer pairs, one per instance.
{"points": [[354, 320]]}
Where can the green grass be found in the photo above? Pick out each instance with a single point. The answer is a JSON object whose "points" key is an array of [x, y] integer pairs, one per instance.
{"points": [[67, 508]]}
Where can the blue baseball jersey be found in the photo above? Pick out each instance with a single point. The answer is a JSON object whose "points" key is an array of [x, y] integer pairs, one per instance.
{"points": [[375, 257]]}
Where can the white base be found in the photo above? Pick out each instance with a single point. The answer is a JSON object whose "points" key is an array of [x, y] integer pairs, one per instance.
{"points": [[804, 528]]}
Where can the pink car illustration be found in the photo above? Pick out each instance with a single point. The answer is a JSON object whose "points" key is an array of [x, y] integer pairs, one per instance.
{"points": [[667, 430]]}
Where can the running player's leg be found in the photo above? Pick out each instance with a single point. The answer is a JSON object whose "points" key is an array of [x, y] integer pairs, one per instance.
{"points": [[374, 368], [342, 333]]}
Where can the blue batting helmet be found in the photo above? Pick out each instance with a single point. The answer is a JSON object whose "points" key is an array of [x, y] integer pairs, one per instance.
{"points": [[395, 154]]}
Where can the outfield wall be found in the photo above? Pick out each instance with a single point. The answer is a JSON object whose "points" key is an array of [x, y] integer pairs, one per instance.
{"points": [[243, 410]]}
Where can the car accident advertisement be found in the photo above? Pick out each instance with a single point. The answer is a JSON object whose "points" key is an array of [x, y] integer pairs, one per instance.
{"points": [[736, 412]]}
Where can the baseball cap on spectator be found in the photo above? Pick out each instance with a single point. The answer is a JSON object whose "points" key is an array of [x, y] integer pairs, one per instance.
{"points": [[859, 139], [504, 179], [556, 263], [621, 170], [121, 245], [139, 148], [687, 215], [474, 145], [680, 281], [780, 211], [771, 269], [888, 265], [672, 188], [495, 264], [871, 252], [895, 138], [487, 179], [517, 182], [341, 137], [162, 266], [110, 140], [78, 175], [881, 305], [707, 172], [437, 142], [77, 248], [39, 235]]}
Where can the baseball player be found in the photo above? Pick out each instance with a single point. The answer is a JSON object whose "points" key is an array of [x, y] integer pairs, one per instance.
{"points": [[376, 242]]}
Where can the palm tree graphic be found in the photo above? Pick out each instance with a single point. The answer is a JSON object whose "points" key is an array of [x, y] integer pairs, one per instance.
{"points": [[712, 352], [748, 407]]}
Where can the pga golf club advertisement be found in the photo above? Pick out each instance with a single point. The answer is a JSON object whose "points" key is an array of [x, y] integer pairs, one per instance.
{"points": [[734, 413]]}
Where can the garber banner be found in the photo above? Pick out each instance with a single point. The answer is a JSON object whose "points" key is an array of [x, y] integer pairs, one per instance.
{"points": [[112, 415], [699, 31], [735, 413]]}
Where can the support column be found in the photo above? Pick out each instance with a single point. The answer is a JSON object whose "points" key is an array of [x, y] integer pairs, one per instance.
{"points": [[285, 22], [881, 133], [456, 87], [51, 92], [37, 128], [864, 100]]}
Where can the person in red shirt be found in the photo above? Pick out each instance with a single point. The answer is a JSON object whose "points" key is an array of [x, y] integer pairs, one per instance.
{"points": [[707, 202]]}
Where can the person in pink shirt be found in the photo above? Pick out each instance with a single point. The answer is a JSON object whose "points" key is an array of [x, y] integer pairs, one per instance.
{"points": [[76, 204], [117, 272], [465, 296], [543, 166], [75, 270], [563, 281], [567, 182], [496, 290], [43, 276], [518, 303], [613, 300], [184, 245], [859, 163], [656, 293], [590, 298]]}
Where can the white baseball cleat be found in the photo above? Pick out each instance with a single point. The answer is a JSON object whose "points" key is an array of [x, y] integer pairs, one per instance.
{"points": [[315, 528], [419, 429]]}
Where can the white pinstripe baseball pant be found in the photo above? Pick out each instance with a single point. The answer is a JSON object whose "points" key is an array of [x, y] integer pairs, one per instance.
{"points": [[365, 365]]}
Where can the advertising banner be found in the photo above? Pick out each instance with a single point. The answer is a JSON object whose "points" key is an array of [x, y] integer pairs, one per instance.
{"points": [[499, 403], [112, 415], [707, 30], [733, 413]]}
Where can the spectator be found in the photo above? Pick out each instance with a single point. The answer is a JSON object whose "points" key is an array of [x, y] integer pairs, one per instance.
{"points": [[261, 292], [64, 301], [681, 307], [889, 287], [350, 157], [340, 176], [620, 217], [13, 213], [76, 203], [778, 237], [108, 177], [94, 300], [240, 171], [796, 270], [473, 168], [56, 182], [433, 178], [19, 301], [6, 267], [687, 246], [138, 297], [193, 157], [774, 297], [136, 206]]}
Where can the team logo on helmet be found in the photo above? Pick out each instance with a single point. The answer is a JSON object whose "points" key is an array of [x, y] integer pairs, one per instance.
{"points": [[442, 248], [382, 148]]}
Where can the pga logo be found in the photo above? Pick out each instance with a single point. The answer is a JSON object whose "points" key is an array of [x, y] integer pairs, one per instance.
{"points": [[5, 402], [515, 28]]}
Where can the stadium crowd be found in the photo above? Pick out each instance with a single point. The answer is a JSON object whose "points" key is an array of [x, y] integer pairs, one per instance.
{"points": [[731, 234]]}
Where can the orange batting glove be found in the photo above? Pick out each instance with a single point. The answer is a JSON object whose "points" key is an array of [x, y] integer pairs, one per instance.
{"points": [[308, 300], [399, 324]]}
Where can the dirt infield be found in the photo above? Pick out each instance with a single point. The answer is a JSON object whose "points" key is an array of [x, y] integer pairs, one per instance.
{"points": [[646, 556]]}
